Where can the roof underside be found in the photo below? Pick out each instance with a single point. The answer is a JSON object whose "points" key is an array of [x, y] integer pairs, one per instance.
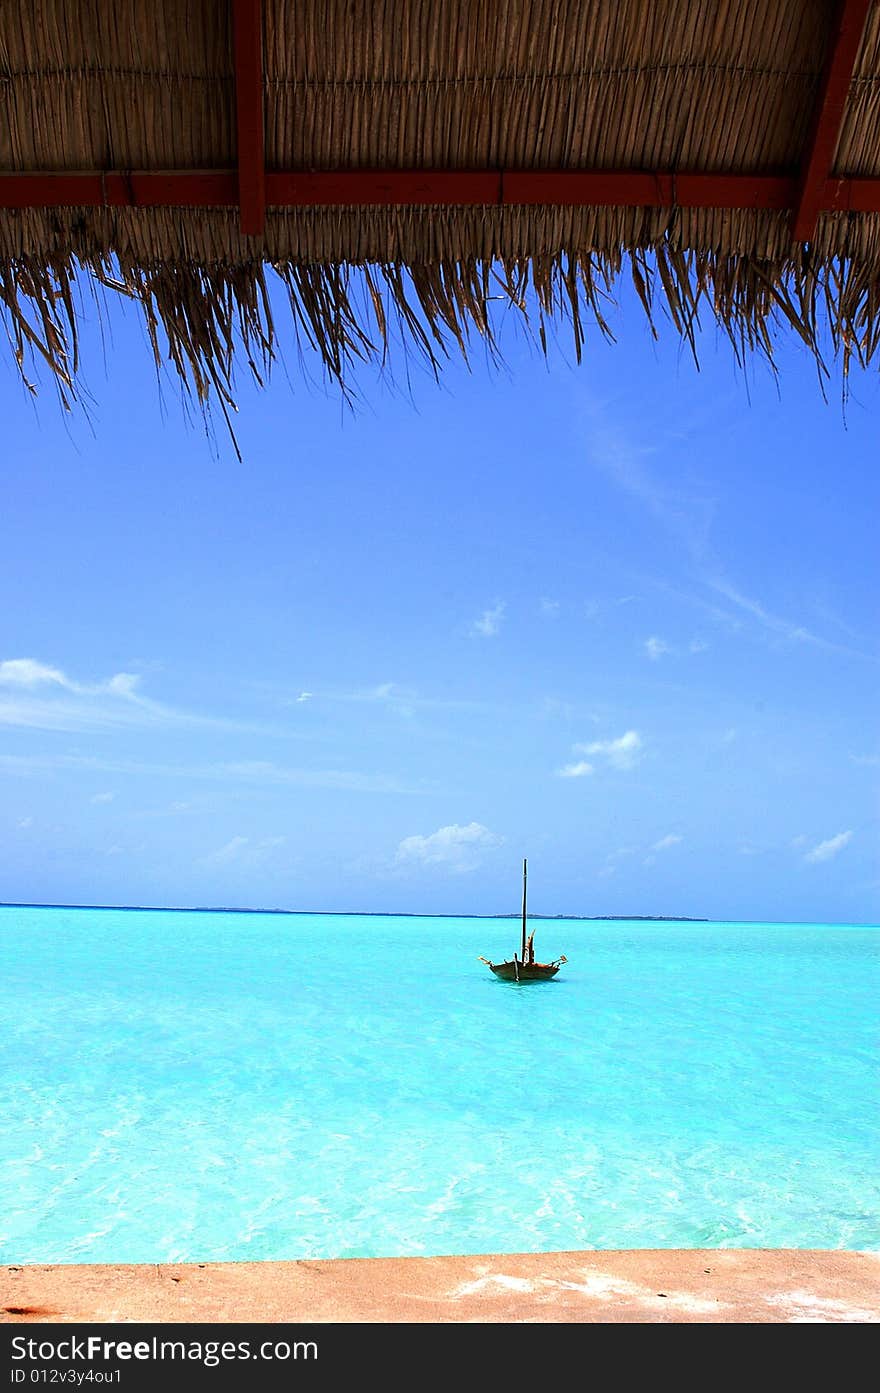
{"points": [[406, 166]]}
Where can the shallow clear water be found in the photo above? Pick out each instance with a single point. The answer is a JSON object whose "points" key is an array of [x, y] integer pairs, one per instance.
{"points": [[201, 1086]]}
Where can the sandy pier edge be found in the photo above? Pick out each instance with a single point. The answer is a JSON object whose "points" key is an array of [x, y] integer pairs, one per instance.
{"points": [[649, 1285]]}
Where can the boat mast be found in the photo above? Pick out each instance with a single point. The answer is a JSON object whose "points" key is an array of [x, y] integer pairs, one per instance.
{"points": [[524, 914]]}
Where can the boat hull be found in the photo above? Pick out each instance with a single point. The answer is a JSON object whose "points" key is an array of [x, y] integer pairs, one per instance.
{"points": [[525, 972]]}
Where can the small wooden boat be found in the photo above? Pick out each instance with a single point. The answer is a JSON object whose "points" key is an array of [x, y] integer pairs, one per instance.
{"points": [[524, 968]]}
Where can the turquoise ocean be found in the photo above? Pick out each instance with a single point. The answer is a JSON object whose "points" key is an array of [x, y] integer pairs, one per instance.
{"points": [[197, 1086]]}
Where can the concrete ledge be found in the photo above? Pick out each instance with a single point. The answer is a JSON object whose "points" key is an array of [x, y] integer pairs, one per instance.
{"points": [[662, 1285]]}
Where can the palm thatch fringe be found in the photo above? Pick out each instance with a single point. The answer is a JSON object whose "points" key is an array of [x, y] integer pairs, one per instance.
{"points": [[405, 277]]}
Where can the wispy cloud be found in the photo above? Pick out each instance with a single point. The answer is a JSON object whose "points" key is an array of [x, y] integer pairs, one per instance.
{"points": [[664, 844], [656, 647], [549, 608], [304, 696], [102, 797], [826, 850], [405, 700], [244, 850], [393, 695], [229, 852], [25, 822], [786, 629], [256, 772], [28, 673], [578, 770], [622, 753], [453, 848], [36, 696], [685, 514], [489, 622]]}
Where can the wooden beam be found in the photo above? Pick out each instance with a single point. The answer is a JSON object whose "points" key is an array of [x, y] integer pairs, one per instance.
{"points": [[138, 189], [247, 30], [843, 50], [218, 188], [635, 189]]}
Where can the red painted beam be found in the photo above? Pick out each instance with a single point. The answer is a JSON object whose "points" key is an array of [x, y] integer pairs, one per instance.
{"points": [[852, 196], [363, 187], [138, 189], [634, 189], [360, 188], [248, 45], [843, 50]]}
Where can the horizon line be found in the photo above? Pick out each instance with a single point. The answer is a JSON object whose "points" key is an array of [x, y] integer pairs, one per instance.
{"points": [[415, 914]]}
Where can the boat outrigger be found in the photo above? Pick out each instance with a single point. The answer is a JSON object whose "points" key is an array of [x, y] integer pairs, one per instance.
{"points": [[524, 968]]}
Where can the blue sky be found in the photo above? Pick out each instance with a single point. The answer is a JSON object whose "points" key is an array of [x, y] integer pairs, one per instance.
{"points": [[619, 618]]}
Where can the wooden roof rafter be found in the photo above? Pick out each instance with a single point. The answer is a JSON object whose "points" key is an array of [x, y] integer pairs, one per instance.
{"points": [[247, 31], [846, 40]]}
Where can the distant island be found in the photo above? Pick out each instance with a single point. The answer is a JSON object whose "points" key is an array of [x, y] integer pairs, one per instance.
{"points": [[350, 913], [625, 918]]}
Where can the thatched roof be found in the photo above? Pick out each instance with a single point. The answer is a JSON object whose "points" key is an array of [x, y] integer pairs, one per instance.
{"points": [[409, 168]]}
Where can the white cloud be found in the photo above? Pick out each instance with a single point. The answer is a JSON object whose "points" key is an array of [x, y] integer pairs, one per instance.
{"points": [[622, 753], [36, 696], [28, 673], [656, 647], [575, 771], [305, 696], [230, 852], [549, 608], [729, 736], [244, 850], [869, 760], [457, 849], [489, 622], [25, 822], [102, 798], [825, 850], [665, 842], [124, 684]]}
